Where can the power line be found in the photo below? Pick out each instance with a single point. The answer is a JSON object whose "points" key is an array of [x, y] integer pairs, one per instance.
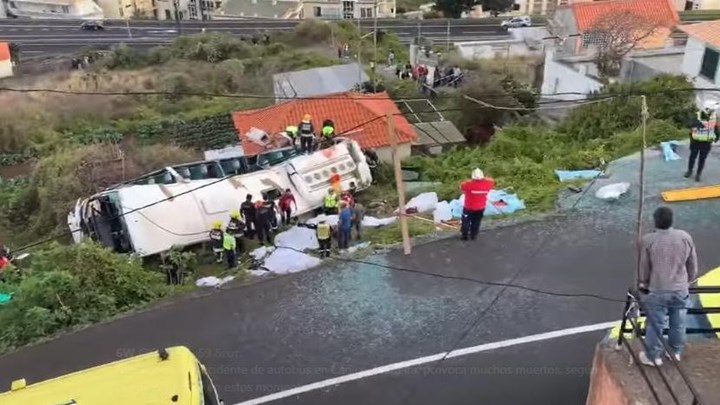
{"points": [[344, 97]]}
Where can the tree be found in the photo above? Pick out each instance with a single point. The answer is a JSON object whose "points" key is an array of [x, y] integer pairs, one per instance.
{"points": [[615, 35], [496, 7], [455, 8]]}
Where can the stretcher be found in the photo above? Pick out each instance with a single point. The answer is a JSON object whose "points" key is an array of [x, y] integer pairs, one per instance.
{"points": [[693, 193]]}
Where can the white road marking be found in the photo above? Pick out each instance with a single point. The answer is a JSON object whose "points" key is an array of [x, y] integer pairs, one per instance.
{"points": [[429, 359]]}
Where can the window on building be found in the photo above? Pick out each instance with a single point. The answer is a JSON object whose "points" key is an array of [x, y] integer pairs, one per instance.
{"points": [[709, 66], [348, 10], [66, 9], [317, 11], [168, 15]]}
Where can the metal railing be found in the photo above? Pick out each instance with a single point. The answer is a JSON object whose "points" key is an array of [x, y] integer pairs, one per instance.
{"points": [[634, 308]]}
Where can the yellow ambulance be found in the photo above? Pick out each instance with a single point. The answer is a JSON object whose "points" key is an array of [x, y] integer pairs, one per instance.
{"points": [[172, 376]]}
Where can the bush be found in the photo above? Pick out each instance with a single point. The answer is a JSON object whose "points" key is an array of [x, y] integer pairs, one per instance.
{"points": [[669, 98], [310, 32], [76, 285]]}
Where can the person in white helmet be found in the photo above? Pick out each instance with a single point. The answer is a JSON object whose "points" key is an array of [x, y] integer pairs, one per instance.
{"points": [[476, 192], [703, 132]]}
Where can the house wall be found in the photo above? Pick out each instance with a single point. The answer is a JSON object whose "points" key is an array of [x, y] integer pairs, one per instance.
{"points": [[70, 9], [334, 9], [385, 153], [692, 61], [562, 25], [6, 69], [491, 50], [560, 77]]}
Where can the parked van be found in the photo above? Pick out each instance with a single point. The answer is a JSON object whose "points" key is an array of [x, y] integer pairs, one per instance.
{"points": [[167, 376]]}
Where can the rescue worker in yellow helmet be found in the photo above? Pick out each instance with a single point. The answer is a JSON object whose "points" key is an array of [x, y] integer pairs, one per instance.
{"points": [[216, 240], [307, 133], [236, 228], [704, 131], [328, 134], [330, 202], [324, 232], [229, 247], [292, 132]]}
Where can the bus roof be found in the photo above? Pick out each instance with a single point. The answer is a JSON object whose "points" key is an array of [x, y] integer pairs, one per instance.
{"points": [[143, 379]]}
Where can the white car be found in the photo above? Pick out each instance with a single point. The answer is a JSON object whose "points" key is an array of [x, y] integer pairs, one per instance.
{"points": [[517, 22]]}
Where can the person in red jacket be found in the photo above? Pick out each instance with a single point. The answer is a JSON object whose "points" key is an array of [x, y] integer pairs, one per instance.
{"points": [[476, 192], [285, 205]]}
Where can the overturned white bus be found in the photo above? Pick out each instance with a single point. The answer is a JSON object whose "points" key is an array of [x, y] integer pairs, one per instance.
{"points": [[175, 206]]}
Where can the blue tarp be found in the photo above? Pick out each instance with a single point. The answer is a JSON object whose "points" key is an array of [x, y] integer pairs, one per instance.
{"points": [[567, 175], [5, 298], [668, 149], [499, 202]]}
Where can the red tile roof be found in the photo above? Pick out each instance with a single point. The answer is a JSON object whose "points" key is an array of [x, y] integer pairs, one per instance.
{"points": [[357, 116], [660, 11], [708, 31]]}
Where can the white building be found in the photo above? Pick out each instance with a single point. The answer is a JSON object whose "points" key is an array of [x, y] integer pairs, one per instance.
{"points": [[702, 58], [55, 9], [521, 42]]}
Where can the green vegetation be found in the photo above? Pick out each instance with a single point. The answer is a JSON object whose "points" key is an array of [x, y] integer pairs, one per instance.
{"points": [[71, 286], [524, 156]]}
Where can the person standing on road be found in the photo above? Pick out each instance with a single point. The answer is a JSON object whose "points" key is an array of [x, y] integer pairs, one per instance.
{"points": [[323, 231], [358, 214], [235, 228], [668, 265], [286, 202], [230, 249], [476, 192], [330, 202], [704, 131], [262, 222], [216, 240]]}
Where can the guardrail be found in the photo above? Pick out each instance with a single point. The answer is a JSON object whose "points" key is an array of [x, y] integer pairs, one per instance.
{"points": [[634, 309]]}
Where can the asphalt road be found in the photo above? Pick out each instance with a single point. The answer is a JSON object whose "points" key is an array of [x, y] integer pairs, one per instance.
{"points": [[56, 36], [347, 317]]}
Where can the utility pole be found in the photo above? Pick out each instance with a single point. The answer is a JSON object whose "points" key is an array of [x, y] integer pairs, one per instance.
{"points": [[359, 51], [399, 184], [375, 58], [448, 36], [127, 20], [178, 17], [641, 198]]}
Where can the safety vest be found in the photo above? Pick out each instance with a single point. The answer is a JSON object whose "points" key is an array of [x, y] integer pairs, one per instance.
{"points": [[228, 241], [306, 128], [330, 201], [328, 131], [707, 132], [323, 231], [216, 236], [292, 130]]}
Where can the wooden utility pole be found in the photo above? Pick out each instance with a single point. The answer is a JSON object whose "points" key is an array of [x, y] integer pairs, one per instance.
{"points": [[399, 184], [641, 198]]}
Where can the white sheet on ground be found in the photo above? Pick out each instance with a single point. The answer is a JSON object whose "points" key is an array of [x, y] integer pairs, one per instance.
{"points": [[213, 281], [368, 221], [443, 212], [424, 202], [284, 261], [612, 191], [297, 238], [261, 252], [357, 247]]}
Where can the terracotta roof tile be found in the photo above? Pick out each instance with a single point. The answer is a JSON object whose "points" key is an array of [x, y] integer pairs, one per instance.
{"points": [[661, 11], [708, 31], [4, 51], [357, 116]]}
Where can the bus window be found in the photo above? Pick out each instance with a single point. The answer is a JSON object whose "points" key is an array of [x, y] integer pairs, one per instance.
{"points": [[214, 171], [198, 172], [272, 194], [208, 389], [184, 172]]}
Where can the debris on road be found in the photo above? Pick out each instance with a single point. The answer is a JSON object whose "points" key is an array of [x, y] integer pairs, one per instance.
{"points": [[612, 191], [568, 175], [213, 281], [669, 149]]}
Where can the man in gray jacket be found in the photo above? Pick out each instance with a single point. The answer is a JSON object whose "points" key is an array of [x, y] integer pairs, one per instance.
{"points": [[668, 264]]}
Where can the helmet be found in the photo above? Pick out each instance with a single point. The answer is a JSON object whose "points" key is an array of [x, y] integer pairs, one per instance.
{"points": [[217, 224], [306, 117], [235, 214]]}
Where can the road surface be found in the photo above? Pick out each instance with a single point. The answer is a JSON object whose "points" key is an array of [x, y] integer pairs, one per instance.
{"points": [[58, 36]]}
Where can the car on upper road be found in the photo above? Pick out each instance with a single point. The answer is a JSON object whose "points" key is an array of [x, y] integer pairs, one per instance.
{"points": [[91, 25], [516, 22]]}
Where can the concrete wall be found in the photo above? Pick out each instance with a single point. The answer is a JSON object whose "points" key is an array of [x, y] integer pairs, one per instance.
{"points": [[694, 50], [604, 387], [491, 50], [559, 77], [385, 154], [563, 24], [70, 9]]}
